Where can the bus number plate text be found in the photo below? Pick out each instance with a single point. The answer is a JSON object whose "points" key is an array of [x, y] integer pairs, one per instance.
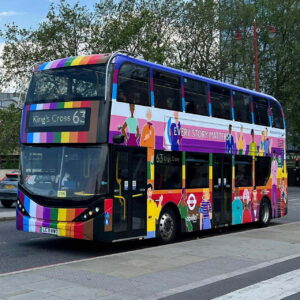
{"points": [[48, 230]]}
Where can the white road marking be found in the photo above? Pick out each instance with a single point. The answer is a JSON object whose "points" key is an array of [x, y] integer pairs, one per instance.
{"points": [[293, 199], [217, 278], [275, 288]]}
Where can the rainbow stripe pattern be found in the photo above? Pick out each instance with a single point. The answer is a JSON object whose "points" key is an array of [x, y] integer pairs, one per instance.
{"points": [[60, 137], [73, 61], [55, 218]]}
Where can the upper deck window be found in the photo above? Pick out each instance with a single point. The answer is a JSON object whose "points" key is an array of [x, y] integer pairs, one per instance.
{"points": [[67, 84], [277, 118], [195, 94], [167, 90], [133, 84], [220, 101], [261, 111], [242, 107]]}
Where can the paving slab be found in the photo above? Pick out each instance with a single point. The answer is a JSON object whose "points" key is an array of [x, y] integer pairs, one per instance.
{"points": [[7, 214]]}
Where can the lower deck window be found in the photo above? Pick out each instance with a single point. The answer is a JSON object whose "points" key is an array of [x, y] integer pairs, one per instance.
{"points": [[168, 170], [243, 171], [197, 165]]}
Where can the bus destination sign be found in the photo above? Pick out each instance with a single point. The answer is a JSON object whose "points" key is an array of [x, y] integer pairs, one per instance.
{"points": [[58, 120]]}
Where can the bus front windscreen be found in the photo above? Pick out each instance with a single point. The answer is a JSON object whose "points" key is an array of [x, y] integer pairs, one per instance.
{"points": [[64, 172], [67, 84]]}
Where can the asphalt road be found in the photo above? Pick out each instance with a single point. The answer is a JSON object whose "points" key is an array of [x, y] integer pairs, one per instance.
{"points": [[21, 250]]}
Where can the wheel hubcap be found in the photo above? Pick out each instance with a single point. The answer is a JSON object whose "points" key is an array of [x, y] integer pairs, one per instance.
{"points": [[265, 213], [166, 226]]}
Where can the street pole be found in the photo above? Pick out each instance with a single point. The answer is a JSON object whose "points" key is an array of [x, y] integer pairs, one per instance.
{"points": [[255, 51]]}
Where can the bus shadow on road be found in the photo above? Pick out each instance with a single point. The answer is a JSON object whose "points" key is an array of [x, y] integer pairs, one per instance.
{"points": [[80, 249]]}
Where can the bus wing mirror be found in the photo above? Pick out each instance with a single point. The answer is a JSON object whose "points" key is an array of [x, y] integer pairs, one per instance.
{"points": [[118, 139]]}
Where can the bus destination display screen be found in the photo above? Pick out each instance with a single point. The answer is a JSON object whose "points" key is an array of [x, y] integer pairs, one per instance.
{"points": [[59, 120]]}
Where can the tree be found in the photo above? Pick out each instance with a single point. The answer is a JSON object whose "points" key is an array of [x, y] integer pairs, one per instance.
{"points": [[10, 119], [139, 26], [64, 32], [197, 45], [278, 56]]}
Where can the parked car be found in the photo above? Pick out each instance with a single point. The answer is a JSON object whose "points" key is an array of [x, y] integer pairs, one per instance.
{"points": [[9, 189]]}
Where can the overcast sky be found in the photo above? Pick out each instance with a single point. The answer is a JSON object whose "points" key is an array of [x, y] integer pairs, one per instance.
{"points": [[28, 13]]}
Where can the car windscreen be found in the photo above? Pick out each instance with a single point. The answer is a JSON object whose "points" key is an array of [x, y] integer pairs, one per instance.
{"points": [[67, 84]]}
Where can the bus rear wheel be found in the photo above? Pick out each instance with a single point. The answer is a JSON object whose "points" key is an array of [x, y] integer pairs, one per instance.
{"points": [[264, 213], [167, 226]]}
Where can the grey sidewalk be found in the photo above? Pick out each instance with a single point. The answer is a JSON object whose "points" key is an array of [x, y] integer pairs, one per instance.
{"points": [[7, 214], [156, 272]]}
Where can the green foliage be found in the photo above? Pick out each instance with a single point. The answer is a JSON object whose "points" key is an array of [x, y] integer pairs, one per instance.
{"points": [[279, 68], [64, 32], [193, 35], [10, 119]]}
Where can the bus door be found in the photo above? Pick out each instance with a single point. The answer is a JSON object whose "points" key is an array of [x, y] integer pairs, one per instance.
{"points": [[130, 201], [222, 188]]}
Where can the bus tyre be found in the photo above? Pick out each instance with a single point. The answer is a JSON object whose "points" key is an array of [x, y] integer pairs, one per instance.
{"points": [[6, 203], [167, 227], [264, 213]]}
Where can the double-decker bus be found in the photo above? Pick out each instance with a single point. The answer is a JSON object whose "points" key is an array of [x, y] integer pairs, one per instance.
{"points": [[115, 147]]}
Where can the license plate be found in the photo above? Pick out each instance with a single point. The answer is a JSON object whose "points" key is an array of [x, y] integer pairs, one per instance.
{"points": [[49, 230], [9, 187]]}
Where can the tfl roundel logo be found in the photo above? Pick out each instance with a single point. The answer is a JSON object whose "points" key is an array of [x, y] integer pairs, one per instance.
{"points": [[191, 202]]}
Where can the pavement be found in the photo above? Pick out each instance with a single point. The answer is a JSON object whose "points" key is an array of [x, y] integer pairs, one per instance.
{"points": [[163, 271], [7, 214]]}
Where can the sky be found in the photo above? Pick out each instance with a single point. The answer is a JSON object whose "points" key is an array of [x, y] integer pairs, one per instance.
{"points": [[28, 13]]}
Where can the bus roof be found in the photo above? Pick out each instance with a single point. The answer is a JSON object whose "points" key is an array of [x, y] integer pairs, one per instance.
{"points": [[103, 58], [73, 61]]}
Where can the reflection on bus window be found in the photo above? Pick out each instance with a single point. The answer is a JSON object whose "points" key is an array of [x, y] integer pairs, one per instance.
{"points": [[133, 84], [243, 171], [261, 109], [167, 90], [262, 170], [195, 95], [74, 83], [197, 165], [220, 102], [242, 107], [277, 119], [68, 171], [168, 170]]}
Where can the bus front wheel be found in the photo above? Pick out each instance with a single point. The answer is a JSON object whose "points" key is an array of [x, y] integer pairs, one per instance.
{"points": [[264, 213], [167, 227]]}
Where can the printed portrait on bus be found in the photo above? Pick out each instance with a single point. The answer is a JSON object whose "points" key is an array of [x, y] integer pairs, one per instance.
{"points": [[153, 210], [274, 173], [255, 204], [248, 207], [229, 144], [237, 209], [184, 210], [172, 136], [148, 132], [205, 211], [283, 197], [240, 141], [265, 144], [132, 135], [252, 145]]}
